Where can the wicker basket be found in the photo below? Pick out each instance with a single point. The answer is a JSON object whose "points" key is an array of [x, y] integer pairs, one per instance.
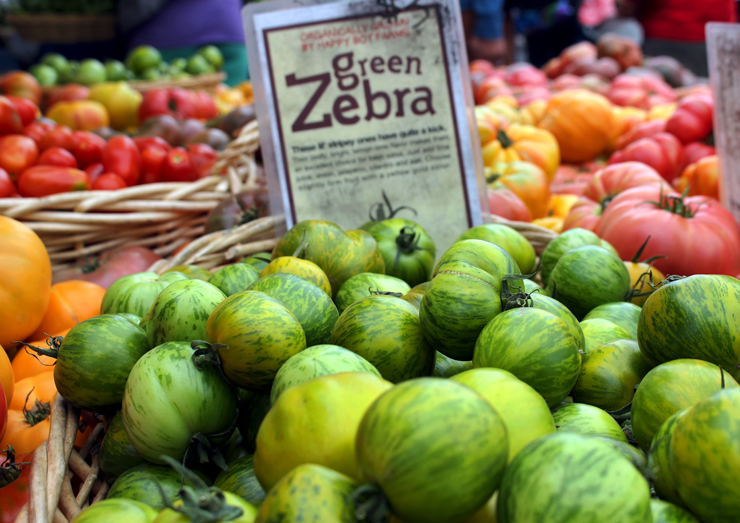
{"points": [[203, 82], [161, 216], [52, 497], [63, 28]]}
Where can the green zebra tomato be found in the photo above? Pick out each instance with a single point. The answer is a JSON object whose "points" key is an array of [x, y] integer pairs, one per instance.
{"points": [[366, 284], [509, 240], [135, 293], [117, 511], [407, 249], [169, 401], [241, 480], [117, 455]]}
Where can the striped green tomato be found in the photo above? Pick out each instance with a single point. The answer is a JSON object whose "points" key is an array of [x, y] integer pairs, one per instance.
{"points": [[142, 484], [597, 332], [253, 407], [366, 284], [464, 295], [587, 420], [192, 271], [407, 249], [95, 359], [546, 303], [311, 306], [508, 239], [260, 334], [181, 311], [561, 244], [135, 293], [445, 367], [533, 287], [609, 375], [664, 512], [234, 278], [571, 478], [436, 448], [415, 295], [316, 361], [168, 400], [315, 422], [623, 313], [535, 346], [117, 455], [659, 461], [117, 511], [340, 254], [386, 332], [695, 317], [240, 480], [524, 412], [255, 261], [669, 388], [310, 493], [705, 457], [588, 276]]}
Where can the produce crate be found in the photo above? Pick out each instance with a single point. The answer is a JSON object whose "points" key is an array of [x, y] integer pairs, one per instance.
{"points": [[63, 28], [161, 216], [56, 463], [203, 82]]}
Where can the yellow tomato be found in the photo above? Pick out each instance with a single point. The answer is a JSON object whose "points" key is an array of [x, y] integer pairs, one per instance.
{"points": [[121, 101]]}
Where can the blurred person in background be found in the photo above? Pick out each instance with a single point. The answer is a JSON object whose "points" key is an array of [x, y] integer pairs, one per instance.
{"points": [[676, 27], [483, 22], [179, 27]]}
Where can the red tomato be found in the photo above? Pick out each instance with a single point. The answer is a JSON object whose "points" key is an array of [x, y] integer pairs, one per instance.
{"points": [[640, 91], [616, 178], [144, 142], [204, 107], [15, 495], [663, 152], [10, 120], [639, 131], [108, 182], [692, 120], [584, 214], [27, 110], [45, 180], [173, 102], [38, 129], [695, 151], [94, 170], [111, 265], [7, 188], [152, 159], [203, 157], [57, 156], [59, 136], [178, 167], [504, 203], [87, 148], [570, 179], [17, 153], [121, 156], [697, 234]]}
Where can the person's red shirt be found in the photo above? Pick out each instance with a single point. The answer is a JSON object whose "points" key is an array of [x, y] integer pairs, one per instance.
{"points": [[683, 20]]}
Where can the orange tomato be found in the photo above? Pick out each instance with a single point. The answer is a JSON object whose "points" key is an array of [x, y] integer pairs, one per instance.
{"points": [[26, 365], [27, 429], [527, 181], [71, 302], [82, 115], [526, 143], [40, 387], [625, 118], [533, 112], [554, 223], [701, 177], [560, 204], [7, 378]]}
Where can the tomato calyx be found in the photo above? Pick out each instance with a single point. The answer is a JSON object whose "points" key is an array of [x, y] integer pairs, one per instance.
{"points": [[407, 242], [504, 139], [675, 204], [516, 300], [199, 502], [247, 214], [638, 254], [36, 414], [381, 208], [9, 469], [378, 292], [52, 342], [371, 504]]}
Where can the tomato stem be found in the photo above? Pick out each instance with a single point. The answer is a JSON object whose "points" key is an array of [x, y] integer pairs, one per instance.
{"points": [[636, 257], [53, 342], [9, 469], [371, 504], [674, 204], [407, 242], [378, 292], [380, 209], [36, 414], [504, 139]]}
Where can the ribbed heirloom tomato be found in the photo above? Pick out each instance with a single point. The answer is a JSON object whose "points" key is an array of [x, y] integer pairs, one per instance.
{"points": [[696, 234]]}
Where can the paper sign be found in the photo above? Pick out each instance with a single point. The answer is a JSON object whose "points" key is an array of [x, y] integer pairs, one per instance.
{"points": [[723, 53], [363, 108]]}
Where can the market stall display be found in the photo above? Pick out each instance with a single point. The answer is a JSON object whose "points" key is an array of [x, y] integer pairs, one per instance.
{"points": [[574, 359]]}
